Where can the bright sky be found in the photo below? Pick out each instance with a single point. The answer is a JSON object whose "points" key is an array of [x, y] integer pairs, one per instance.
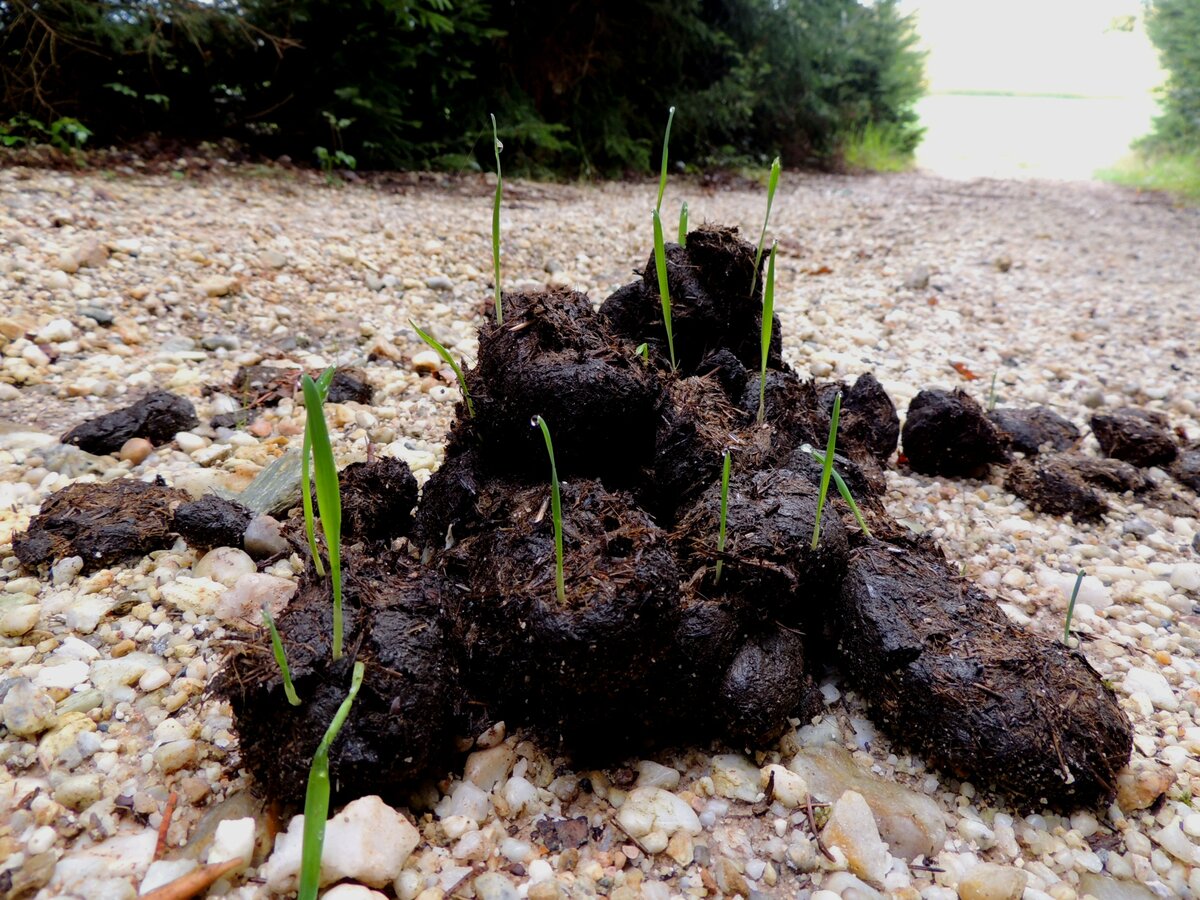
{"points": [[1037, 46]]}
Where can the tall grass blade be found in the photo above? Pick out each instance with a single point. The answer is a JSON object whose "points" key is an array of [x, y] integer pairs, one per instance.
{"points": [[827, 467], [664, 291], [724, 514], [768, 321], [556, 512], [991, 404], [316, 797], [1071, 608], [683, 224], [772, 183], [497, 146], [449, 360], [844, 490], [289, 689], [662, 178], [329, 498], [323, 382]]}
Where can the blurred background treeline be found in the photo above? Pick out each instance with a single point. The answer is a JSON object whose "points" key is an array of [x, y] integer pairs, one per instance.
{"points": [[579, 88]]}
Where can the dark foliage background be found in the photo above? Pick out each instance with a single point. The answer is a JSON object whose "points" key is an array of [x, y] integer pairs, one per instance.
{"points": [[1174, 27], [578, 87]]}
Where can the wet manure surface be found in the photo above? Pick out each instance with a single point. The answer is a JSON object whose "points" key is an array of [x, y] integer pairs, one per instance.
{"points": [[460, 624], [157, 417]]}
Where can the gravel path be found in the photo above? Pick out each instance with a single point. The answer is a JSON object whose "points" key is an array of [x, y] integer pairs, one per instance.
{"points": [[1076, 296]]}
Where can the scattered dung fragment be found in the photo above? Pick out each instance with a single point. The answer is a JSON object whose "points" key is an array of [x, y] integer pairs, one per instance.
{"points": [[1137, 436], [1050, 485], [377, 499], [157, 417], [948, 674], [1186, 468], [947, 433], [407, 709], [100, 523], [1110, 474], [1029, 430], [868, 421], [553, 358], [712, 305], [210, 522], [260, 386]]}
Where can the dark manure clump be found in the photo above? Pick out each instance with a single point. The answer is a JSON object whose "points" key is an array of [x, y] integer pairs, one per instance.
{"points": [[157, 417], [948, 674], [210, 522], [1029, 430], [1050, 485], [712, 304], [102, 524], [947, 433], [1138, 436], [540, 659], [378, 498], [869, 424], [410, 706], [552, 357]]}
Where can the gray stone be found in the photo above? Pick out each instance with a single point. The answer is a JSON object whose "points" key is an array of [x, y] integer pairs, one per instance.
{"points": [[69, 460], [494, 886], [97, 314], [220, 342], [264, 538], [275, 489], [27, 709], [178, 344], [439, 283], [918, 279]]}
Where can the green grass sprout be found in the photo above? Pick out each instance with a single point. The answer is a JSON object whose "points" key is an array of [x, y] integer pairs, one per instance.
{"points": [[445, 355], [1071, 608], [827, 467], [281, 658], [555, 511], [991, 404], [497, 146], [772, 183], [316, 797], [329, 498], [768, 319], [643, 350], [323, 382], [724, 514], [683, 224], [664, 290], [844, 490], [662, 178]]}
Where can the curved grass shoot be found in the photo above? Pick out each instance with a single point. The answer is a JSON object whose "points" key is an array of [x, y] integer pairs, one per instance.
{"points": [[1071, 608], [724, 514], [497, 146], [555, 511], [316, 797], [768, 321], [827, 467], [643, 350], [449, 360], [664, 291], [289, 689], [662, 178], [329, 498], [844, 491], [772, 183], [991, 404], [323, 382], [683, 224]]}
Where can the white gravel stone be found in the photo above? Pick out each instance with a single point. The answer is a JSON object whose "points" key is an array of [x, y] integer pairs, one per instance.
{"points": [[27, 709], [244, 602], [233, 839], [368, 841], [487, 768], [1151, 684], [648, 809], [851, 828], [735, 777]]}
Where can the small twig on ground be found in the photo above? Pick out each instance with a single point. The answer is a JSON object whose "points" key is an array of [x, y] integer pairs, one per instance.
{"points": [[164, 826], [812, 826], [194, 883]]}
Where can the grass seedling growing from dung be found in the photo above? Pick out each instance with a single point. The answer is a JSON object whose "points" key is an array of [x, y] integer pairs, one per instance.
{"points": [[555, 512], [662, 178], [664, 291], [768, 320], [724, 514], [445, 355], [827, 467], [991, 404], [844, 491], [316, 797], [323, 382], [280, 658], [497, 146], [772, 183], [643, 350], [1071, 608], [683, 225], [328, 496]]}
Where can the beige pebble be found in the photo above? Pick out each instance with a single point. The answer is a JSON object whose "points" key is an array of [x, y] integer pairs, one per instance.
{"points": [[135, 450]]}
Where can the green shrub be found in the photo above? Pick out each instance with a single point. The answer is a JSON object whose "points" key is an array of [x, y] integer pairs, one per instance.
{"points": [[1174, 27]]}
